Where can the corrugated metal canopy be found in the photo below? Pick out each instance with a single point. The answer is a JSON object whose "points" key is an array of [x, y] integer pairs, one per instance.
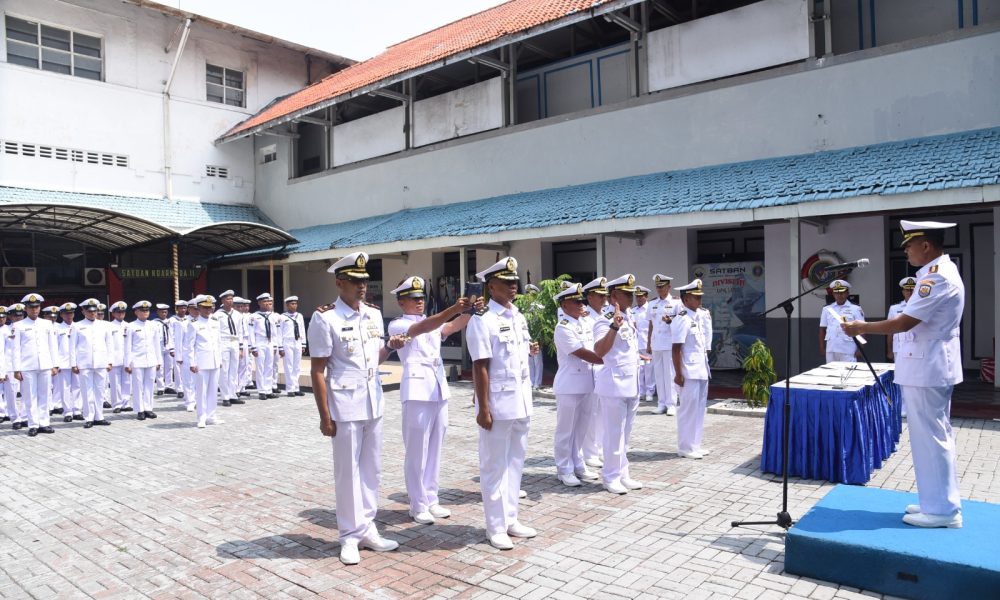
{"points": [[235, 236]]}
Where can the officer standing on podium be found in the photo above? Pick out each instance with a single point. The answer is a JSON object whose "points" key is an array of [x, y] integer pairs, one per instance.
{"points": [[928, 365]]}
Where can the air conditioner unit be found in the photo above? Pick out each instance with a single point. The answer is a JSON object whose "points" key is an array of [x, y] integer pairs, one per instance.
{"points": [[20, 277], [94, 276]]}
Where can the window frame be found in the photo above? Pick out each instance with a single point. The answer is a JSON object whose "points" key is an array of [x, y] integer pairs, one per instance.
{"points": [[224, 86], [40, 48]]}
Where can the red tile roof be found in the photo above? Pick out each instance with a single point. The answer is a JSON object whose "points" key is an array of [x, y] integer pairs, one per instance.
{"points": [[516, 16]]}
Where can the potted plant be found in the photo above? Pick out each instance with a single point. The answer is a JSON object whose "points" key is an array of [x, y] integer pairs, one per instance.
{"points": [[539, 310], [759, 375]]}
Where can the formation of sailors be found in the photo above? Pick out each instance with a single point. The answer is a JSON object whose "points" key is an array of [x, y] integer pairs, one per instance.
{"points": [[53, 364]]}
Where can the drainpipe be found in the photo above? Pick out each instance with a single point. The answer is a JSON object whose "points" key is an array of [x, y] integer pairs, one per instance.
{"points": [[167, 160]]}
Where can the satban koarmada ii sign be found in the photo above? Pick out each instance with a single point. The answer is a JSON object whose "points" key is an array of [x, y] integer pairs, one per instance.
{"points": [[154, 273]]}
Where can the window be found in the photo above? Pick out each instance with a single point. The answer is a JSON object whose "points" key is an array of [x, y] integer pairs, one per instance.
{"points": [[216, 171], [268, 154], [53, 49], [224, 86]]}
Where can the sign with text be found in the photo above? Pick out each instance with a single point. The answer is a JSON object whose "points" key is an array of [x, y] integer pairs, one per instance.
{"points": [[734, 292], [154, 273]]}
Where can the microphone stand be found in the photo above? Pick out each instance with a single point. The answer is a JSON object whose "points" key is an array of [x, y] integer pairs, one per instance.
{"points": [[784, 519]]}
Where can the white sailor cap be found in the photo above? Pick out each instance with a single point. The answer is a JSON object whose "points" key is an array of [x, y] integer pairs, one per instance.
{"points": [[102, 306], [660, 280], [574, 291], [142, 305], [412, 287], [352, 265], [16, 309], [51, 310], [206, 301], [839, 285], [194, 301], [90, 304], [119, 306], [162, 306], [565, 284], [291, 299], [913, 229], [908, 283], [67, 307], [693, 288], [641, 290], [596, 286], [240, 300], [531, 289], [3, 310], [264, 296], [180, 302], [505, 269], [227, 293], [624, 283], [32, 299]]}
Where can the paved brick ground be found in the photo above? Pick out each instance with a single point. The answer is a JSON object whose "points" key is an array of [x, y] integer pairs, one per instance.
{"points": [[245, 509]]}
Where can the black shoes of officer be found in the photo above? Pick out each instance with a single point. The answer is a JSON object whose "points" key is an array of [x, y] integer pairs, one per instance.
{"points": [[273, 395], [107, 404], [33, 432], [180, 395], [159, 393], [237, 401], [4, 419], [126, 409], [56, 411], [16, 425], [262, 396], [88, 424], [141, 415], [46, 429], [170, 390], [68, 419], [226, 403], [77, 417], [102, 422], [117, 410], [150, 414]]}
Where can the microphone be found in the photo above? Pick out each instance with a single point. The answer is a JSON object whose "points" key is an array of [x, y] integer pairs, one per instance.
{"points": [[861, 263]]}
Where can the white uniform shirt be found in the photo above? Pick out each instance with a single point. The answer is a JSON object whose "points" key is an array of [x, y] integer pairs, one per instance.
{"points": [[640, 314], [229, 330], [836, 339], [34, 345], [656, 310], [63, 331], [501, 335], [203, 343], [930, 354], [694, 330], [575, 375], [265, 330], [7, 338], [143, 344], [90, 344], [894, 311], [423, 371], [350, 340], [619, 377], [166, 340], [117, 349], [293, 330]]}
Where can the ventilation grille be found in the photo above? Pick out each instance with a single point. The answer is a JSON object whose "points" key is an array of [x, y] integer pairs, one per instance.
{"points": [[216, 171], [55, 153]]}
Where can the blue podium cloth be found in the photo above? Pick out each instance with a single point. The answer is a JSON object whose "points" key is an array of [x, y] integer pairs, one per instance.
{"points": [[837, 435]]}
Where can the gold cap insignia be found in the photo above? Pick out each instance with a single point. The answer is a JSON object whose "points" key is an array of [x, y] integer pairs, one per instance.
{"points": [[360, 263], [417, 283]]}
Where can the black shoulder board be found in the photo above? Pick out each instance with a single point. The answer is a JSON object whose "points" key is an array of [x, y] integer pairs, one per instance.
{"points": [[375, 306], [324, 308], [609, 315], [485, 309], [683, 312], [564, 322]]}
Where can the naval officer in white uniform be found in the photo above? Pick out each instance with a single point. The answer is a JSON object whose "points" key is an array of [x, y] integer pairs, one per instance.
{"points": [[500, 345], [203, 354], [692, 333], [596, 295], [34, 361], [573, 386], [833, 343], [928, 366], [660, 314], [424, 393], [143, 358], [906, 287], [90, 354], [293, 342], [616, 341], [345, 345]]}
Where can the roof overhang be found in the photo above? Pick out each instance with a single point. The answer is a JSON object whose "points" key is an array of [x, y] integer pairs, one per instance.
{"points": [[235, 236]]}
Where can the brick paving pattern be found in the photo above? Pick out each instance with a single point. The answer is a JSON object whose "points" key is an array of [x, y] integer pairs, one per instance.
{"points": [[161, 509]]}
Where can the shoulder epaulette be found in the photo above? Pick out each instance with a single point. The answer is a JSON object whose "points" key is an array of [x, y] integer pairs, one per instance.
{"points": [[933, 269], [370, 305], [564, 322], [683, 311], [609, 315], [325, 307], [482, 311]]}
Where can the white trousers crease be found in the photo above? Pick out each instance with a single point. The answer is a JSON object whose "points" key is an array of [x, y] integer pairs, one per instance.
{"points": [[293, 366], [229, 374], [619, 414], [93, 382], [663, 373], [573, 413], [36, 389], [264, 363], [17, 411], [932, 443], [501, 462], [207, 398], [142, 388], [357, 473], [120, 383], [691, 414], [424, 427], [593, 430]]}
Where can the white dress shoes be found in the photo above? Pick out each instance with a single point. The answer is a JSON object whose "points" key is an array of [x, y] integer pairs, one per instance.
{"points": [[216, 421], [912, 509], [501, 541], [692, 454], [521, 531], [595, 462], [659, 410], [586, 475], [439, 512], [522, 494], [671, 411], [569, 480], [924, 520], [349, 554], [378, 543], [615, 487], [201, 423], [424, 518], [631, 484]]}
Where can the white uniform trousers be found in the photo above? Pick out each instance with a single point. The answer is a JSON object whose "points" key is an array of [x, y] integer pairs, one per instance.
{"points": [[647, 379], [501, 462], [663, 372], [536, 368], [245, 370], [691, 414], [186, 380], [93, 382], [207, 383], [165, 376], [36, 390], [840, 357], [66, 393], [357, 473], [275, 362], [229, 374], [17, 411], [572, 417], [293, 366], [142, 388], [424, 428], [932, 443], [118, 379], [618, 416], [593, 434], [265, 369]]}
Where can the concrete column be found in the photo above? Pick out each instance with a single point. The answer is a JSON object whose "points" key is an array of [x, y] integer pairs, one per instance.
{"points": [[795, 259], [243, 284], [286, 281], [996, 282], [601, 258]]}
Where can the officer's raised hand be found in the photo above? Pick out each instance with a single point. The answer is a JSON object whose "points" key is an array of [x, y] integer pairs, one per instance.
{"points": [[618, 318]]}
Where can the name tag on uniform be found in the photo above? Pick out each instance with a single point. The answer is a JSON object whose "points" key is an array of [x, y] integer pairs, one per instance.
{"points": [[504, 328], [347, 328]]}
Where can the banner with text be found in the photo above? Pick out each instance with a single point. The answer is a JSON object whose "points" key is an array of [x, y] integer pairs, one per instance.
{"points": [[734, 292]]}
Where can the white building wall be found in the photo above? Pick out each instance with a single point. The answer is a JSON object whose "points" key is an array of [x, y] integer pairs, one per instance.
{"points": [[851, 103], [124, 113], [475, 108]]}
